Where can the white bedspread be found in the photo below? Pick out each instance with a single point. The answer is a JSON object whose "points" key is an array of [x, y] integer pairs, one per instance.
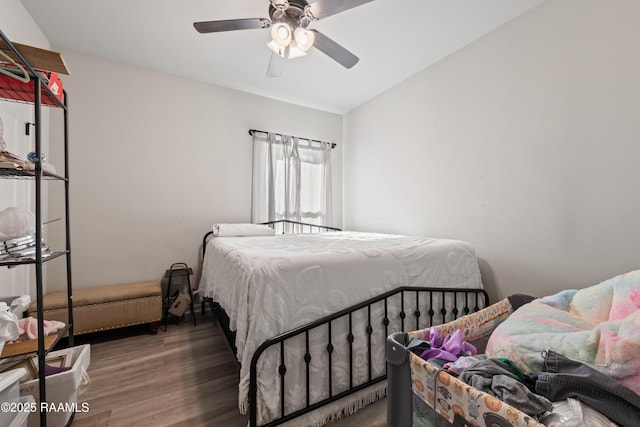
{"points": [[268, 285]]}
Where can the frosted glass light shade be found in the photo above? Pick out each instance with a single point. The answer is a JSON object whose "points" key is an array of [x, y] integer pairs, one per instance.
{"points": [[279, 50], [281, 33], [295, 51], [304, 38]]}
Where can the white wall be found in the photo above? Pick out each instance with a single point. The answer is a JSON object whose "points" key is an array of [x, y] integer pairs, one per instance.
{"points": [[17, 24], [155, 160], [525, 143], [19, 27]]}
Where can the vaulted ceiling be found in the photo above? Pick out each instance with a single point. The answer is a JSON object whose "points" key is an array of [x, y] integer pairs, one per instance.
{"points": [[394, 39]]}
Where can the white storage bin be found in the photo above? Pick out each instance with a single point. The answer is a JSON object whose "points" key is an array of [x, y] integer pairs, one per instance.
{"points": [[10, 391], [21, 418], [62, 388]]}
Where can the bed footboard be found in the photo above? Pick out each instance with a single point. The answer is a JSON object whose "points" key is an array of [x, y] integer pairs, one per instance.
{"points": [[406, 306]]}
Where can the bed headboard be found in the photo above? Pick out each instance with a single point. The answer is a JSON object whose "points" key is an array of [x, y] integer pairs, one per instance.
{"points": [[285, 226], [282, 226]]}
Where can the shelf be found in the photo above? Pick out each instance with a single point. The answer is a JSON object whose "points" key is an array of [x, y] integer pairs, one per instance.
{"points": [[42, 67], [15, 352], [10, 173], [14, 90], [38, 58], [38, 61], [32, 261], [26, 347]]}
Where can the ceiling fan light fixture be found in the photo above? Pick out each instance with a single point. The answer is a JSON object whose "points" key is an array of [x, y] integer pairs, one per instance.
{"points": [[288, 21], [281, 33], [295, 51], [304, 38], [276, 48]]}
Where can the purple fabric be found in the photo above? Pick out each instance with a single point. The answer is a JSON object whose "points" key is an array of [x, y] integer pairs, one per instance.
{"points": [[51, 370], [449, 348]]}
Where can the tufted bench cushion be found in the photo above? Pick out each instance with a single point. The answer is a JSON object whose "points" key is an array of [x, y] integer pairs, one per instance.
{"points": [[106, 307]]}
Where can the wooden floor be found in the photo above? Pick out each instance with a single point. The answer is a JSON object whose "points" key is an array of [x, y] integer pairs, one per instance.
{"points": [[186, 376]]}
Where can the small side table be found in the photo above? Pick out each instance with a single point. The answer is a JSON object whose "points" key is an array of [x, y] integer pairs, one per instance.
{"points": [[177, 270]]}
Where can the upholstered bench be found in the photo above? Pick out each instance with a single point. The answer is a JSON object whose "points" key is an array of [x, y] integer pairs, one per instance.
{"points": [[106, 307]]}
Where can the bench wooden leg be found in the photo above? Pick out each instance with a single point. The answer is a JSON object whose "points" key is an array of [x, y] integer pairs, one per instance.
{"points": [[153, 327]]}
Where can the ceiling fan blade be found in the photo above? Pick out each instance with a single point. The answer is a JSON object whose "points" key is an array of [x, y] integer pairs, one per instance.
{"points": [[231, 25], [333, 50], [276, 65], [323, 8]]}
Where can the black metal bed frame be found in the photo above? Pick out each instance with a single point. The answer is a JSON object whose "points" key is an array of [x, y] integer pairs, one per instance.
{"points": [[428, 305]]}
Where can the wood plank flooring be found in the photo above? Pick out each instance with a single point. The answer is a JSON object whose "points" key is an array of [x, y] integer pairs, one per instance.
{"points": [[186, 376]]}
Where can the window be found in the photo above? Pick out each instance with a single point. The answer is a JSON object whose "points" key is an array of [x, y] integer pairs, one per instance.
{"points": [[291, 180]]}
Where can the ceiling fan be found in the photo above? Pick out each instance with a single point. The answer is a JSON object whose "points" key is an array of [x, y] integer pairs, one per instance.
{"points": [[289, 33]]}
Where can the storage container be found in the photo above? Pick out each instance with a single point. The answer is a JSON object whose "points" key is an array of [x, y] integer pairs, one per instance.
{"points": [[422, 394], [21, 418], [10, 391], [62, 387]]}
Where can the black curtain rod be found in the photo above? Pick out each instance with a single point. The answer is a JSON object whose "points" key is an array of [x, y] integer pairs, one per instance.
{"points": [[253, 131]]}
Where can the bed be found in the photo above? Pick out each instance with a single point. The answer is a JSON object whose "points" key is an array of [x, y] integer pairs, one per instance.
{"points": [[308, 313]]}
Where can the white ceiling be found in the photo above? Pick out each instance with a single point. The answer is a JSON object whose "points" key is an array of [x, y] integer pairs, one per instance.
{"points": [[393, 38]]}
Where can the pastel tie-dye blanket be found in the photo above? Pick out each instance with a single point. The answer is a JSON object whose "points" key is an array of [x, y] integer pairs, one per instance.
{"points": [[598, 326]]}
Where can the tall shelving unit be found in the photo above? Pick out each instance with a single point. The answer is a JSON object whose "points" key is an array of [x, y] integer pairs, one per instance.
{"points": [[37, 93]]}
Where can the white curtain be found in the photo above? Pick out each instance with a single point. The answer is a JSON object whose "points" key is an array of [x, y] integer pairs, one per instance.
{"points": [[291, 180]]}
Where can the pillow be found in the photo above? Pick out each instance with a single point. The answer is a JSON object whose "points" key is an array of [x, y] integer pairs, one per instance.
{"points": [[242, 229]]}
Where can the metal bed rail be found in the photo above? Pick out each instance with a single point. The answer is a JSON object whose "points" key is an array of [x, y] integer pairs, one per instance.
{"points": [[282, 226], [285, 226], [419, 307]]}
